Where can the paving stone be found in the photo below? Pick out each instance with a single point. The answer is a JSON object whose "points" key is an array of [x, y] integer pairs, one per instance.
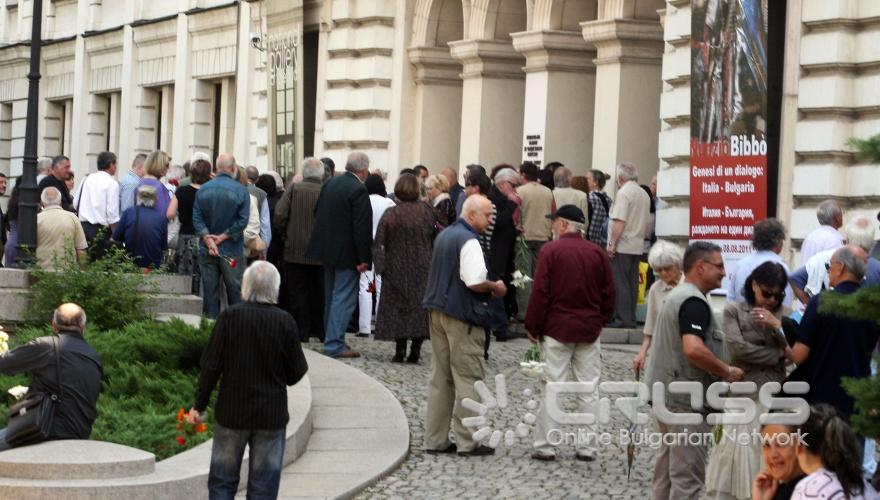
{"points": [[510, 473]]}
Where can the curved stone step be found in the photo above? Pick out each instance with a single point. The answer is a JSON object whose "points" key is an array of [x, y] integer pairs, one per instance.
{"points": [[360, 434], [76, 459]]}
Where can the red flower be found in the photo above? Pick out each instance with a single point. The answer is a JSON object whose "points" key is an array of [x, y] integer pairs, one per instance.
{"points": [[202, 427], [147, 270], [181, 441], [233, 263], [181, 413]]}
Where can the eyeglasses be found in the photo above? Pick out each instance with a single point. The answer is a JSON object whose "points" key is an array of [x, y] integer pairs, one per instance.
{"points": [[829, 264], [719, 266]]}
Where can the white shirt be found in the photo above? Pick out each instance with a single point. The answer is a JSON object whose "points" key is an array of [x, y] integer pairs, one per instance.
{"points": [[380, 204], [100, 199], [821, 238], [737, 279], [817, 275], [824, 484], [471, 265]]}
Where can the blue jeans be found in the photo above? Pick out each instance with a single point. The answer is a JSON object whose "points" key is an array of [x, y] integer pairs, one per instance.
{"points": [[340, 296], [264, 471], [3, 445], [213, 270]]}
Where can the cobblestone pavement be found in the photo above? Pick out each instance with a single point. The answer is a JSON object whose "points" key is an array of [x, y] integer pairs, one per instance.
{"points": [[510, 473]]}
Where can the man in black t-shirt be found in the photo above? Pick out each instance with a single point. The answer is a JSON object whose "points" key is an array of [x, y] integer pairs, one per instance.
{"points": [[59, 173]]}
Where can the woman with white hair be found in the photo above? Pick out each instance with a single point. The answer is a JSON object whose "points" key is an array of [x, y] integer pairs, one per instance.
{"points": [[665, 259]]}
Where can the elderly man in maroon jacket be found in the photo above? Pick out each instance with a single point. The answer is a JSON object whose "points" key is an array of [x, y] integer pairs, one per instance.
{"points": [[572, 298]]}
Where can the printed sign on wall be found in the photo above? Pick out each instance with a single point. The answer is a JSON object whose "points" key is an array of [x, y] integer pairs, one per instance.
{"points": [[728, 150]]}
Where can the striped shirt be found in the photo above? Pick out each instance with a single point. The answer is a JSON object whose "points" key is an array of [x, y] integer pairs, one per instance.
{"points": [[254, 351]]}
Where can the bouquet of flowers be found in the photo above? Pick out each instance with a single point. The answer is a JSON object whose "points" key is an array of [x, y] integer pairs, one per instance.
{"points": [[17, 393], [532, 364], [187, 430], [523, 255]]}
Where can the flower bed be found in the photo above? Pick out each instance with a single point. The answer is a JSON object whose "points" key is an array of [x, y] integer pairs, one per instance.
{"points": [[150, 372]]}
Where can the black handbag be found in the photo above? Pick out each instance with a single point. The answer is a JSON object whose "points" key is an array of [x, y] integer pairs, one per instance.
{"points": [[30, 421]]}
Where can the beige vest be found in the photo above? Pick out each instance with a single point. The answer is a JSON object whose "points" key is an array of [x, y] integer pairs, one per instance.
{"points": [[667, 362]]}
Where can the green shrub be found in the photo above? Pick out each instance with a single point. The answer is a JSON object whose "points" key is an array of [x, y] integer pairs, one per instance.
{"points": [[150, 371], [110, 290]]}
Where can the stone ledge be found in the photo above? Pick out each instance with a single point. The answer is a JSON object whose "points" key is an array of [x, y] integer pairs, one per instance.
{"points": [[75, 459], [182, 476]]}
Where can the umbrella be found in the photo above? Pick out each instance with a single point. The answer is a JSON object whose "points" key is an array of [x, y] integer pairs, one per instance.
{"points": [[631, 447]]}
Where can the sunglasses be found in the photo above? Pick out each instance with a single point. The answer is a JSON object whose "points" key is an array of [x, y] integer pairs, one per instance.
{"points": [[771, 295]]}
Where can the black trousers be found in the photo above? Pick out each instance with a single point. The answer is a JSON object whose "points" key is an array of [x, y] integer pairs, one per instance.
{"points": [[305, 298], [98, 237]]}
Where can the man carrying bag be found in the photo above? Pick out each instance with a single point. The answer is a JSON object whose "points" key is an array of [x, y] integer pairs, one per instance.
{"points": [[53, 409]]}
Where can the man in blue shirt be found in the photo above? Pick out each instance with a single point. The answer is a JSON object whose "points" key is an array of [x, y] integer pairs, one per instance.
{"points": [[144, 230], [220, 214], [829, 347], [768, 237], [130, 182]]}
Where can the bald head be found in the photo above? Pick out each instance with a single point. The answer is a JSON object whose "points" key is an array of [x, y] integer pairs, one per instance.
{"points": [[69, 317], [226, 163], [450, 174], [477, 211]]}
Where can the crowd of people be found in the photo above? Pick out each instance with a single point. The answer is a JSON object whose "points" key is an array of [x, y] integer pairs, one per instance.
{"points": [[435, 260]]}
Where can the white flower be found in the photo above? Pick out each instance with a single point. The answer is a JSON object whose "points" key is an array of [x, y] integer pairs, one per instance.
{"points": [[3, 336], [520, 280], [4, 347], [18, 392], [532, 368]]}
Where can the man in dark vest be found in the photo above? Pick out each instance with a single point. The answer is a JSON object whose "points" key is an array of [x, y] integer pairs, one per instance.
{"points": [[341, 240], [457, 286], [688, 346]]}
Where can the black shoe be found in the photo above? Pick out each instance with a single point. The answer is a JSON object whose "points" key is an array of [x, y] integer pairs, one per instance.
{"points": [[503, 337], [398, 358], [479, 451], [412, 360], [449, 449], [362, 334], [615, 324]]}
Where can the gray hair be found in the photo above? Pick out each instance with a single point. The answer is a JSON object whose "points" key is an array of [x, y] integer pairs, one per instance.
{"points": [[226, 163], [260, 283], [827, 211], [312, 168], [198, 155], [146, 196], [50, 197], [860, 232], [665, 254], [357, 162], [562, 177], [70, 316], [575, 227], [507, 175], [43, 165], [627, 171], [175, 172], [853, 263]]}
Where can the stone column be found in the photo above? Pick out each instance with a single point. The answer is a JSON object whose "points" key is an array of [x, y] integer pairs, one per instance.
{"points": [[491, 101], [560, 97], [628, 86], [437, 120], [184, 87]]}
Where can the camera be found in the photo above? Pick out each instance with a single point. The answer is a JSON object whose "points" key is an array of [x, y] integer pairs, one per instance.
{"points": [[256, 40]]}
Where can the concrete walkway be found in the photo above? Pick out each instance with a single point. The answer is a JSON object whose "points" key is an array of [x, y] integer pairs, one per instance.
{"points": [[359, 434]]}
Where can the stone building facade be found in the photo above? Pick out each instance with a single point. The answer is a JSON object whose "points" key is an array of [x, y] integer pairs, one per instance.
{"points": [[589, 83], [133, 76]]}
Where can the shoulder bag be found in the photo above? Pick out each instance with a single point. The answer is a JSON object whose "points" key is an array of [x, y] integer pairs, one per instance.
{"points": [[30, 421]]}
